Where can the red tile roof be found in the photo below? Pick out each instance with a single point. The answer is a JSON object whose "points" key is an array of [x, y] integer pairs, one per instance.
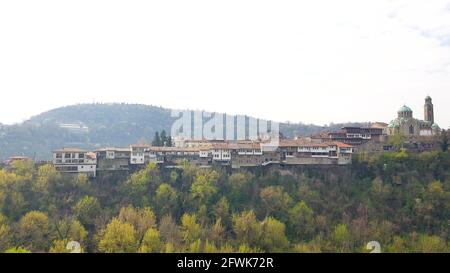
{"points": [[70, 150]]}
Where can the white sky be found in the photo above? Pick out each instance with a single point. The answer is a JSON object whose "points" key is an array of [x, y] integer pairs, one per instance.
{"points": [[311, 61]]}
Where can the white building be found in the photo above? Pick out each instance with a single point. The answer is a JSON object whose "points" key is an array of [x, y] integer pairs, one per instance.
{"points": [[76, 161], [138, 153], [221, 152]]}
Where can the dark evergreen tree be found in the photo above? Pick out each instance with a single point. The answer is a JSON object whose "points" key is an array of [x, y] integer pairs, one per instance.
{"points": [[163, 138], [157, 140], [444, 140], [169, 141]]}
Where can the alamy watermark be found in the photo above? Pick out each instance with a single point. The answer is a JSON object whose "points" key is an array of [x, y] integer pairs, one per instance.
{"points": [[200, 125]]}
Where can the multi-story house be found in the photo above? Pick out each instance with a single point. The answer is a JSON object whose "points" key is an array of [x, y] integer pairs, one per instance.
{"points": [[357, 135], [303, 152], [250, 154], [139, 153], [113, 159], [200, 156], [221, 152], [75, 161]]}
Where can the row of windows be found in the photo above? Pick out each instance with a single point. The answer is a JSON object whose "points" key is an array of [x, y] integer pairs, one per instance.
{"points": [[70, 155], [70, 161], [223, 156], [248, 151]]}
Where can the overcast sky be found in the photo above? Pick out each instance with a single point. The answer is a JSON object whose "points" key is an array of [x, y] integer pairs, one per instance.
{"points": [[310, 61]]}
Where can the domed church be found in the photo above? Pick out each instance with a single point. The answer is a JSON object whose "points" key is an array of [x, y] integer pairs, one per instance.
{"points": [[405, 124]]}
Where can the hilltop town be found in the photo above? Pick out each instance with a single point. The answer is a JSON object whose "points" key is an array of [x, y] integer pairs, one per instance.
{"points": [[326, 148]]}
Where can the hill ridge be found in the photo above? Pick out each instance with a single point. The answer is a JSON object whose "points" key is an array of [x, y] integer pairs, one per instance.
{"points": [[108, 124]]}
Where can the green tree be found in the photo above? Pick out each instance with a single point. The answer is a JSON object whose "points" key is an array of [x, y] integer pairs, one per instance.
{"points": [[195, 247], [5, 233], [274, 199], [273, 236], [429, 244], [170, 232], [247, 228], [163, 138], [380, 193], [244, 248], [12, 186], [157, 142], [17, 250], [190, 229], [202, 190], [166, 198], [341, 237], [82, 183], [382, 231], [397, 140], [151, 242], [210, 247], [444, 140], [47, 177], [310, 196], [86, 210], [398, 245], [34, 231], [173, 178], [71, 230], [310, 247], [217, 232], [140, 184], [301, 220], [169, 142], [118, 237], [141, 220], [434, 208], [24, 168], [240, 185], [222, 211]]}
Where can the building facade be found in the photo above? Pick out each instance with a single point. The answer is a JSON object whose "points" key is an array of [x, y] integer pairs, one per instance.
{"points": [[239, 154], [75, 161], [357, 135], [405, 124], [113, 159], [301, 152]]}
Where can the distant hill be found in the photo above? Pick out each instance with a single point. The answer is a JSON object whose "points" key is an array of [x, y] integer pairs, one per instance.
{"points": [[92, 126]]}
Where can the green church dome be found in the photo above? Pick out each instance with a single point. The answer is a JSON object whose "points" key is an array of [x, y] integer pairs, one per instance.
{"points": [[405, 109], [435, 127], [394, 123]]}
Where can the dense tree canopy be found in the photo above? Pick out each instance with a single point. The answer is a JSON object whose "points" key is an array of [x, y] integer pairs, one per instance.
{"points": [[399, 199]]}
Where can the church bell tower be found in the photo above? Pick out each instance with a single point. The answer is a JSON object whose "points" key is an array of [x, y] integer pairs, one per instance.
{"points": [[429, 111]]}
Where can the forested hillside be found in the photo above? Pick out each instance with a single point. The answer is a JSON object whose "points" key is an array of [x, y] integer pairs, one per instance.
{"points": [[106, 125], [401, 200]]}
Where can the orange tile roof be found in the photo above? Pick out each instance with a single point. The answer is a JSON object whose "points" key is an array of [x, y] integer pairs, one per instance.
{"points": [[113, 149], [179, 149], [140, 145], [221, 146], [70, 150], [379, 125], [340, 144], [305, 143], [16, 158]]}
